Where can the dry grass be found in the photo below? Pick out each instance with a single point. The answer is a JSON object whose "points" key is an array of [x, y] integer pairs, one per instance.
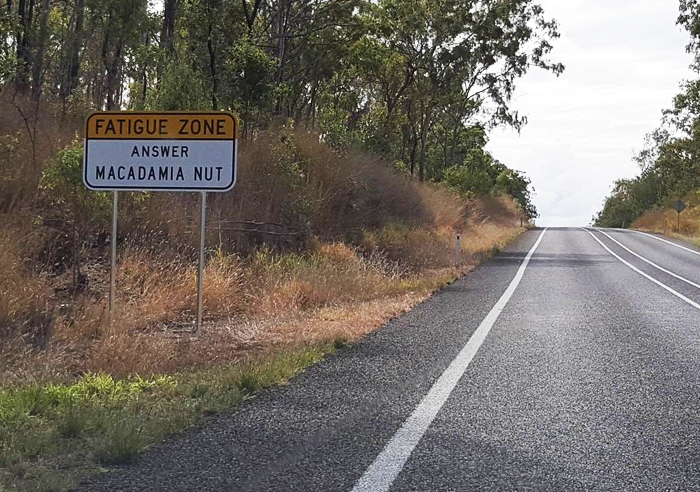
{"points": [[307, 236], [294, 180], [29, 136], [23, 291], [665, 221], [269, 299]]}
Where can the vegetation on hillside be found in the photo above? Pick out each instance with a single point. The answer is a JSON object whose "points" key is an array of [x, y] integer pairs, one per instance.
{"points": [[670, 160], [416, 82], [343, 103]]}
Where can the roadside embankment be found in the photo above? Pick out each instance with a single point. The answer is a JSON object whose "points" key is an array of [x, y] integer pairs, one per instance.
{"points": [[666, 221], [311, 251]]}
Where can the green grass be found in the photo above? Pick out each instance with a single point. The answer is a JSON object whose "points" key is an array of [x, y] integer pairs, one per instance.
{"points": [[54, 435], [340, 341]]}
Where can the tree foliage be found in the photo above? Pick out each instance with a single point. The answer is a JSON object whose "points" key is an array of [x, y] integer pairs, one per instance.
{"points": [[417, 81], [670, 159]]}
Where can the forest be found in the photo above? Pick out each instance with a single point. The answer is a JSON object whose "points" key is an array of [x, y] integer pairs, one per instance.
{"points": [[670, 159], [416, 82]]}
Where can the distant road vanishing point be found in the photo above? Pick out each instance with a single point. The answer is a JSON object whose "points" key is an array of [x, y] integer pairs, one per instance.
{"points": [[570, 361]]}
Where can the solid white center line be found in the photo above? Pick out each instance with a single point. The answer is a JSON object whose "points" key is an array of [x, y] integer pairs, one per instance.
{"points": [[689, 282], [667, 242], [660, 284], [387, 466]]}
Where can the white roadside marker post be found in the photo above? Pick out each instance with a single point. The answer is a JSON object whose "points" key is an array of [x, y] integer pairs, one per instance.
{"points": [[458, 251], [200, 274]]}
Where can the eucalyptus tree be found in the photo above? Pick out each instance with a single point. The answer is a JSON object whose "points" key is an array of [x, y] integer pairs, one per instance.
{"points": [[310, 40], [475, 49], [414, 80]]}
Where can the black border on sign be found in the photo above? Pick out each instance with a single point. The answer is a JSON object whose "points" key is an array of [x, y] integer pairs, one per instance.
{"points": [[233, 140]]}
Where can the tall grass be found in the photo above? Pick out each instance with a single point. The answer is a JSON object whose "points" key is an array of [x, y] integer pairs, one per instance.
{"points": [[29, 135], [305, 231], [24, 290], [665, 221]]}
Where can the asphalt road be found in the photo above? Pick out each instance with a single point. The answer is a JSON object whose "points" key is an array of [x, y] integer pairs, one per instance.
{"points": [[574, 365]]}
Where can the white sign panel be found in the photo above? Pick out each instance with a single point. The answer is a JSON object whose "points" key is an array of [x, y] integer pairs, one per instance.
{"points": [[161, 151]]}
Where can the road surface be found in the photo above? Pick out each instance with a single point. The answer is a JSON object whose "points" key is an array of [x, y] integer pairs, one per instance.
{"points": [[571, 361]]}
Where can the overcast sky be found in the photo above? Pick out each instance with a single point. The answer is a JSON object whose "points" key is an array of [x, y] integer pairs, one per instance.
{"points": [[624, 61]]}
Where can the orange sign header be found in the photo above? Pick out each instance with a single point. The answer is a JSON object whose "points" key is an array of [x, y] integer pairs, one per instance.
{"points": [[162, 126]]}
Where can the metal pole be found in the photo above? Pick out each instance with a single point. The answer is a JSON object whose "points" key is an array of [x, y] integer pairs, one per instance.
{"points": [[113, 272], [458, 251], [202, 232]]}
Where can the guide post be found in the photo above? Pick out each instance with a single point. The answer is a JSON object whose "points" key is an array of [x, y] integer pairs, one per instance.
{"points": [[458, 251], [193, 152]]}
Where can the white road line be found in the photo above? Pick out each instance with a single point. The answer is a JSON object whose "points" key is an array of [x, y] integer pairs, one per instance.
{"points": [[668, 242], [660, 284], [689, 282], [387, 466]]}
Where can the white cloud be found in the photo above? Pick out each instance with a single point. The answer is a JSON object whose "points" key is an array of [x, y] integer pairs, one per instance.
{"points": [[624, 62]]}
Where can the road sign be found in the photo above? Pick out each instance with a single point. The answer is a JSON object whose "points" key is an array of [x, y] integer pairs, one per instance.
{"points": [[679, 206], [160, 151]]}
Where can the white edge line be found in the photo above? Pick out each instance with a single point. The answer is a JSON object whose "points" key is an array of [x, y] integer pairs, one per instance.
{"points": [[689, 282], [666, 241], [660, 284], [389, 463]]}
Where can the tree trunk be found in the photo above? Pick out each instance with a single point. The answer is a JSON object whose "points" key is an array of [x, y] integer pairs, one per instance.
{"points": [[413, 154], [453, 146], [145, 40], [312, 105], [167, 35], [112, 67], [280, 31], [212, 68], [281, 39], [41, 50], [246, 121], [73, 65], [250, 15], [424, 142], [445, 150], [403, 145], [24, 12]]}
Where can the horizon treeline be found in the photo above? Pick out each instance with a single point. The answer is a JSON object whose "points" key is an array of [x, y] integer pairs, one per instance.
{"points": [[670, 159], [419, 82]]}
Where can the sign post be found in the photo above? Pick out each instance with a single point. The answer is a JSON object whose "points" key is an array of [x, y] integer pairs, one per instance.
{"points": [[113, 247], [679, 206], [193, 152], [200, 275]]}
